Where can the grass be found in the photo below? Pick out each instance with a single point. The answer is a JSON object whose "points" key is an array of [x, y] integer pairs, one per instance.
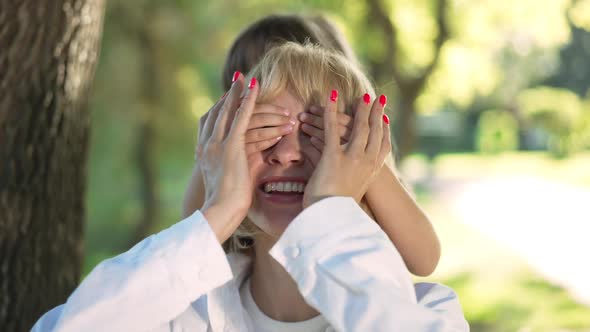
{"points": [[498, 290]]}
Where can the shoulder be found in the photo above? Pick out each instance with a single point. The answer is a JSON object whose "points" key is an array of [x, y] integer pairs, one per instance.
{"points": [[48, 321], [433, 294]]}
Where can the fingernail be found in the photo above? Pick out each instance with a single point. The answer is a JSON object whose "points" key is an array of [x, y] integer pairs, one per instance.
{"points": [[252, 83], [385, 118], [292, 121], [382, 100], [334, 95], [236, 76], [367, 98]]}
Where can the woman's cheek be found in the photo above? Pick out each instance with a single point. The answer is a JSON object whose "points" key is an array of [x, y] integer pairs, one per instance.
{"points": [[255, 163]]}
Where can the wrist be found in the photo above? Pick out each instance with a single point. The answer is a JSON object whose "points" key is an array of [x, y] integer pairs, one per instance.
{"points": [[223, 219]]}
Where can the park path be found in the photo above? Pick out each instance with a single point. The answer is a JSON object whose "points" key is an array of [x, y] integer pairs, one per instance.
{"points": [[544, 222]]}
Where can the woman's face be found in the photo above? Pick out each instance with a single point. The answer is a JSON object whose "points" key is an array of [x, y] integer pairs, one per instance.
{"points": [[280, 174]]}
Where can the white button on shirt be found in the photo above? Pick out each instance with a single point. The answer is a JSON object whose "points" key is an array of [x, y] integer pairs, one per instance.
{"points": [[181, 280]]}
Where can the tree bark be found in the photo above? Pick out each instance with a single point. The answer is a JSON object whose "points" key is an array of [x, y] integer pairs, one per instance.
{"points": [[48, 53]]}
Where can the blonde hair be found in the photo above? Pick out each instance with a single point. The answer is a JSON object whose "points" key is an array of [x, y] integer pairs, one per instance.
{"points": [[309, 72]]}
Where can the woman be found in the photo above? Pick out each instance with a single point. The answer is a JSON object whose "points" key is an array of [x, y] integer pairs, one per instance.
{"points": [[319, 264], [387, 201]]}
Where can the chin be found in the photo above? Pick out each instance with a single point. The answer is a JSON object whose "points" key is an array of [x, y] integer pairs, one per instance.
{"points": [[273, 221]]}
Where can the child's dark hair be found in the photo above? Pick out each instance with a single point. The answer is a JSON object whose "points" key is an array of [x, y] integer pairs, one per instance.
{"points": [[253, 43]]}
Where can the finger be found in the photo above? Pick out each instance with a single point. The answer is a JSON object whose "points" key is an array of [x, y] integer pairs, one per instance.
{"points": [[316, 113], [343, 132], [244, 113], [318, 144], [272, 109], [376, 126], [360, 130], [331, 137], [262, 134], [202, 121], [386, 145], [228, 110], [259, 120], [315, 153], [261, 145], [209, 119]]}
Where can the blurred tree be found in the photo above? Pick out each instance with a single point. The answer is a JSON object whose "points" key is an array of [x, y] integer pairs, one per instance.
{"points": [[410, 83], [561, 113], [135, 23], [49, 52]]}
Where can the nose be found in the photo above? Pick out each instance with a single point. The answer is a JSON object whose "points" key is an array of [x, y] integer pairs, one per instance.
{"points": [[287, 151]]}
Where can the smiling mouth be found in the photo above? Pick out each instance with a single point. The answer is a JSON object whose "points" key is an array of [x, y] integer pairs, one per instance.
{"points": [[282, 188], [286, 196]]}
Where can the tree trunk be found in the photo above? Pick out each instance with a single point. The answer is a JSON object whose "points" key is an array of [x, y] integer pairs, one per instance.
{"points": [[409, 86], [48, 52], [405, 127], [145, 158]]}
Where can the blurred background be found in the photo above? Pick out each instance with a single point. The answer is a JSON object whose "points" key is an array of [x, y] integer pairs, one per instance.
{"points": [[491, 105]]}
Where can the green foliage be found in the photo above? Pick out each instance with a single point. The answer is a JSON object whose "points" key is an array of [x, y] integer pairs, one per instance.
{"points": [[579, 13], [497, 131], [561, 113], [524, 302]]}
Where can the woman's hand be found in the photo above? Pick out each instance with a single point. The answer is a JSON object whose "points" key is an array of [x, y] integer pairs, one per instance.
{"points": [[347, 170], [224, 161]]}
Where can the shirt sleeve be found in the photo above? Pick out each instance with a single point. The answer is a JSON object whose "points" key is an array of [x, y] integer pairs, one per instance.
{"points": [[146, 286], [346, 267]]}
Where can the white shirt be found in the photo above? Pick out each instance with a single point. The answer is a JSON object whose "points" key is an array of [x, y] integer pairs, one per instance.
{"points": [[180, 279], [262, 323]]}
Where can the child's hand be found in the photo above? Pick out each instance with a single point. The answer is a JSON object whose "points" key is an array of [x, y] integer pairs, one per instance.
{"points": [[347, 170], [313, 125]]}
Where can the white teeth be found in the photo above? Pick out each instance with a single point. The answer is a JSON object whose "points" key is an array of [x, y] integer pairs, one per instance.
{"points": [[284, 187]]}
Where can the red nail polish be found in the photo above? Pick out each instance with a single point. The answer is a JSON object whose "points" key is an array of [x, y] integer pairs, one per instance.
{"points": [[367, 98], [382, 100], [252, 83], [385, 118], [236, 76], [334, 95]]}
